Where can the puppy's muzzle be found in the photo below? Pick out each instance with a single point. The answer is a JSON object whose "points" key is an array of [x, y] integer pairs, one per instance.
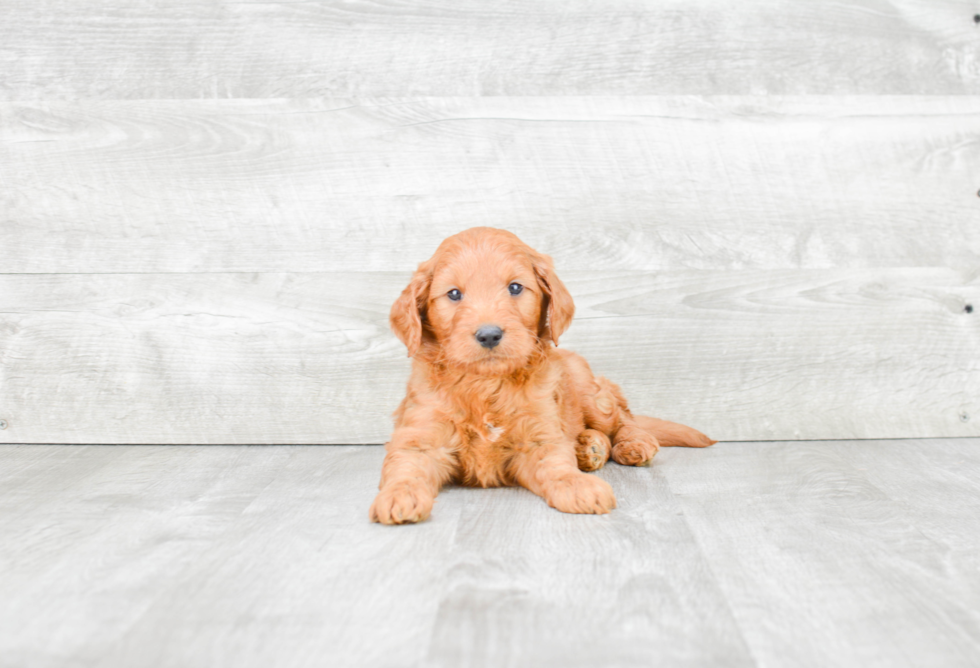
{"points": [[489, 336]]}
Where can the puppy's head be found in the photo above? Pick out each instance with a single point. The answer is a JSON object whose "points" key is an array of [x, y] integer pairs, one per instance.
{"points": [[484, 302]]}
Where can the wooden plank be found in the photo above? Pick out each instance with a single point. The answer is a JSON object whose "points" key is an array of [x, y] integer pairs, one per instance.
{"points": [[211, 556], [198, 358], [308, 358], [525, 586], [791, 354], [648, 183], [841, 553], [810, 554], [261, 556], [154, 49]]}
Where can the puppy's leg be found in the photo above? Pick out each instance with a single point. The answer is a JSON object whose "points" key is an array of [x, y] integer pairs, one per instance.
{"points": [[633, 446], [411, 477], [549, 470], [592, 450], [606, 410]]}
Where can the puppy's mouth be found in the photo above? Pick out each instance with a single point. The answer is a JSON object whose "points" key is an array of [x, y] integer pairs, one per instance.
{"points": [[491, 367], [496, 361], [492, 361], [506, 357]]}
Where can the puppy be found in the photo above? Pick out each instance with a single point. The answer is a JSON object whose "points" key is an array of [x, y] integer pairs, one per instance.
{"points": [[491, 400]]}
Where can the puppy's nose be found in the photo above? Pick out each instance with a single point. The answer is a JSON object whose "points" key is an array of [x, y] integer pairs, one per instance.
{"points": [[489, 336]]}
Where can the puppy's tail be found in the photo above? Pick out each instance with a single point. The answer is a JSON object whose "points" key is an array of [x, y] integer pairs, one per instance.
{"points": [[671, 433]]}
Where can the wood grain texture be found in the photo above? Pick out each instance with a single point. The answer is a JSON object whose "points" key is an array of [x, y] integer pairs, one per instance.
{"points": [[842, 553], [213, 557], [308, 358], [645, 183], [754, 554], [113, 49], [528, 587]]}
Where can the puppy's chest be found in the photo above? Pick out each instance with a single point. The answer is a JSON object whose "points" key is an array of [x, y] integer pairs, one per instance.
{"points": [[488, 442], [495, 422]]}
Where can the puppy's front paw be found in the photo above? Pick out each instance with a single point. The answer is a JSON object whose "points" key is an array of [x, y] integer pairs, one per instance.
{"points": [[401, 503], [634, 447], [592, 450], [580, 493]]}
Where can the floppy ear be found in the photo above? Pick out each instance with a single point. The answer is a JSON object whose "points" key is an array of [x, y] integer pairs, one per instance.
{"points": [[557, 307], [409, 309]]}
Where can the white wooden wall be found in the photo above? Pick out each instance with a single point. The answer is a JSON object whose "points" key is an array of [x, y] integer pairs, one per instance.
{"points": [[768, 213]]}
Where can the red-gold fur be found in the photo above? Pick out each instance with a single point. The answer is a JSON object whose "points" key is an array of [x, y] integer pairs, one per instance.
{"points": [[522, 413]]}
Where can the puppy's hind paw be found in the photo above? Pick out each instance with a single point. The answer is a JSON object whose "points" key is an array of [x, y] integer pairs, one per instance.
{"points": [[634, 447], [592, 450]]}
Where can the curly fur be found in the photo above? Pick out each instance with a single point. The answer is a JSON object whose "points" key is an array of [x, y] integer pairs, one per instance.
{"points": [[522, 413]]}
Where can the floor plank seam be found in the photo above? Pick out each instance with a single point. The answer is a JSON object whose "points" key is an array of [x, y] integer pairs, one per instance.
{"points": [[714, 576]]}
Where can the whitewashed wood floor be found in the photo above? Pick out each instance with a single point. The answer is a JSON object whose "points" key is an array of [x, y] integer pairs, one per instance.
{"points": [[833, 553]]}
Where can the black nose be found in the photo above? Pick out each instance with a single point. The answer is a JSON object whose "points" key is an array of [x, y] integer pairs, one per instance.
{"points": [[489, 336]]}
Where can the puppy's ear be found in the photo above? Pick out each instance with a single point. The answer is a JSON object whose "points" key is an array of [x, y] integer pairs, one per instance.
{"points": [[409, 309], [557, 307]]}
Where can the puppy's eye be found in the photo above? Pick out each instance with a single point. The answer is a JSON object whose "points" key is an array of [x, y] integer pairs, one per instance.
{"points": [[515, 288], [454, 295]]}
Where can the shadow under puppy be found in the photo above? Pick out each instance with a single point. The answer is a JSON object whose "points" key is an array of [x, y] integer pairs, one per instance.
{"points": [[491, 400]]}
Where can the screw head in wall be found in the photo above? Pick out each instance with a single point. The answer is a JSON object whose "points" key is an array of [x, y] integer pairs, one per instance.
{"points": [[3, 424]]}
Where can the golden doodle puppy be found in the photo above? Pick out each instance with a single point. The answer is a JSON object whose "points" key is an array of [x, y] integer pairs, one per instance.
{"points": [[491, 400]]}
